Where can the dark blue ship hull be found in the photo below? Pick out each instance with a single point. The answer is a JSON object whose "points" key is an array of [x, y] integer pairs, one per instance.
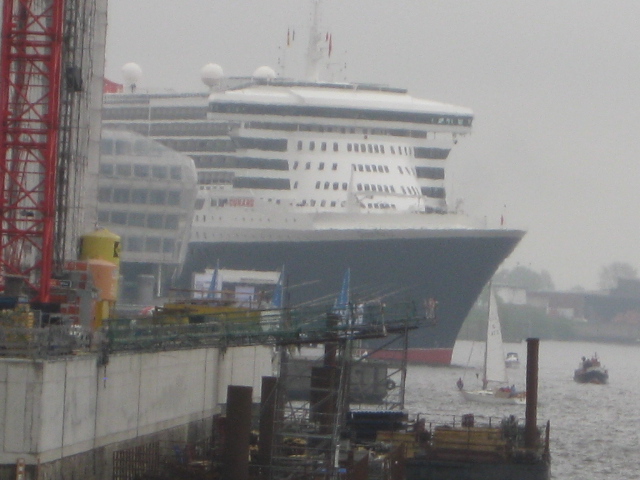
{"points": [[451, 269]]}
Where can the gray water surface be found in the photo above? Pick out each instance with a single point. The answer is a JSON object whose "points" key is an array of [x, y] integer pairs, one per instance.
{"points": [[595, 429]]}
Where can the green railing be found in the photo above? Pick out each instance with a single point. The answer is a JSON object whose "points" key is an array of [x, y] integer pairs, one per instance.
{"points": [[42, 342], [261, 327], [226, 329]]}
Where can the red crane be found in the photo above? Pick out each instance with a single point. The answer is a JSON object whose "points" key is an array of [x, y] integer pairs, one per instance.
{"points": [[30, 91]]}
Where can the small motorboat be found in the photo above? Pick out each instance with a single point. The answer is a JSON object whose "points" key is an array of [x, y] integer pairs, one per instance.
{"points": [[591, 370], [512, 360]]}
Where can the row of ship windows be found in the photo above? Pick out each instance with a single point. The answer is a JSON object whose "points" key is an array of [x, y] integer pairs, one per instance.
{"points": [[372, 168], [141, 147], [171, 129], [170, 140], [300, 127], [383, 206], [155, 113], [203, 219], [432, 173], [217, 128], [376, 168], [339, 113], [144, 147], [327, 185], [215, 178], [226, 177], [322, 203], [138, 196], [333, 204], [359, 167], [125, 170], [359, 148], [190, 129], [374, 148], [307, 165], [281, 145], [198, 145], [154, 221], [366, 187], [275, 164], [433, 192], [150, 244], [200, 113], [251, 163], [356, 167]]}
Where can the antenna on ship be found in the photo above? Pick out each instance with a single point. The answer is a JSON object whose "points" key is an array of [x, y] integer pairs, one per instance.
{"points": [[314, 54]]}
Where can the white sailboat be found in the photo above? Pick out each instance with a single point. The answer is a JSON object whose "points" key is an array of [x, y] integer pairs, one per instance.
{"points": [[495, 383]]}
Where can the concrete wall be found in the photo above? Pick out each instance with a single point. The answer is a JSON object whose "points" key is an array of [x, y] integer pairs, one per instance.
{"points": [[60, 408]]}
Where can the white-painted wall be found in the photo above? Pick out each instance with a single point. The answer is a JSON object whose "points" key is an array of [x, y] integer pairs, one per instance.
{"points": [[56, 408]]}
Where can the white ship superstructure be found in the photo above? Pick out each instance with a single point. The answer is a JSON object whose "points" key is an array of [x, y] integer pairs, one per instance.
{"points": [[311, 156], [341, 147]]}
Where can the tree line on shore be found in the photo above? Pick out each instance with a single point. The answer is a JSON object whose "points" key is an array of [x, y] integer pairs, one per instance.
{"points": [[518, 322], [523, 321]]}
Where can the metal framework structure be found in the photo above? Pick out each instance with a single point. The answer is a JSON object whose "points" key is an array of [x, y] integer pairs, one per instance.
{"points": [[30, 89]]}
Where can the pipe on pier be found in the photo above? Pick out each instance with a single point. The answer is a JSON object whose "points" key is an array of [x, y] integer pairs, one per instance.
{"points": [[323, 396], [236, 451], [268, 399], [531, 412]]}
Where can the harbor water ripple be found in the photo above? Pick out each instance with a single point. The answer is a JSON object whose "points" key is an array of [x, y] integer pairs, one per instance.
{"points": [[595, 429]]}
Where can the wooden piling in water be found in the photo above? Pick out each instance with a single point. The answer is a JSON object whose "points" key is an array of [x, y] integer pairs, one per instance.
{"points": [[531, 412], [236, 458]]}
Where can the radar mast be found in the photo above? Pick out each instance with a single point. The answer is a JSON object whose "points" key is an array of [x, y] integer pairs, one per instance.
{"points": [[314, 52]]}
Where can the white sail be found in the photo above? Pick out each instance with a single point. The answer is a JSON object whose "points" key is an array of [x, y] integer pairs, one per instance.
{"points": [[494, 367]]}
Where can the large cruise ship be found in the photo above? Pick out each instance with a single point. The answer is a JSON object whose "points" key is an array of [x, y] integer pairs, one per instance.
{"points": [[318, 177]]}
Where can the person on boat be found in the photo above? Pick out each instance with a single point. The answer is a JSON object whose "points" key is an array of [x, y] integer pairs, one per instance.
{"points": [[460, 383]]}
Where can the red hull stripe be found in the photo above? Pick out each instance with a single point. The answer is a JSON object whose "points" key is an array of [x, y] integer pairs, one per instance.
{"points": [[428, 356]]}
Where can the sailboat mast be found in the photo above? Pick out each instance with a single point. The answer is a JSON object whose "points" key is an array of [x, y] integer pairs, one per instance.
{"points": [[485, 379], [486, 342], [494, 367]]}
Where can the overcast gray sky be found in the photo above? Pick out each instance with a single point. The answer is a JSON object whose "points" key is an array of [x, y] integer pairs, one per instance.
{"points": [[554, 85]]}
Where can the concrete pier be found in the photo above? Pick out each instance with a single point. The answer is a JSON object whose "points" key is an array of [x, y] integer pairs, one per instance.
{"points": [[65, 417]]}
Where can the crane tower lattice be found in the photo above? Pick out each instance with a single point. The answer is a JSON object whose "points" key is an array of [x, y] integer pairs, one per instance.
{"points": [[30, 90]]}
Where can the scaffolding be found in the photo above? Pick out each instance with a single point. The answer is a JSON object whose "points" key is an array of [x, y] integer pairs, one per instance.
{"points": [[310, 438]]}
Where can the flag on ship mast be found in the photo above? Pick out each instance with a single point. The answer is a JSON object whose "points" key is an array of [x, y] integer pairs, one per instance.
{"points": [[342, 302], [214, 285], [278, 291]]}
